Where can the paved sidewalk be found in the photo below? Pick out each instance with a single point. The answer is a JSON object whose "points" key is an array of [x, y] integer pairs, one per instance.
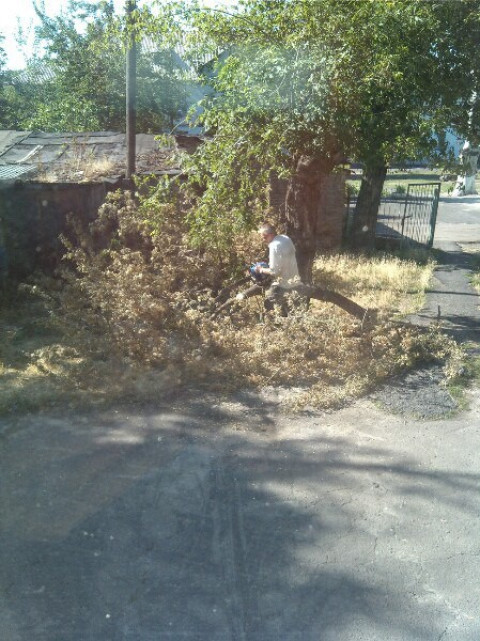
{"points": [[451, 299]]}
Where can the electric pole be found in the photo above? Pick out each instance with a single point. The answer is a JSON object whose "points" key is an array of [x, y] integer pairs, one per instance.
{"points": [[131, 88]]}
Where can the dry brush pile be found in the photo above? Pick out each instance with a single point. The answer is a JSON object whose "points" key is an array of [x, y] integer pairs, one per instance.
{"points": [[133, 309]]}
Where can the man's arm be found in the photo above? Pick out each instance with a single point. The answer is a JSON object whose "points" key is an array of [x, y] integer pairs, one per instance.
{"points": [[274, 258], [264, 270]]}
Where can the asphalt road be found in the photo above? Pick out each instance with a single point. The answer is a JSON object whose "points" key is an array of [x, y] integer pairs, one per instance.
{"points": [[226, 521], [211, 520]]}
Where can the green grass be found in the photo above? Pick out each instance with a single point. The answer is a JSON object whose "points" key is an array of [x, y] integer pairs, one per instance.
{"points": [[465, 376], [399, 179]]}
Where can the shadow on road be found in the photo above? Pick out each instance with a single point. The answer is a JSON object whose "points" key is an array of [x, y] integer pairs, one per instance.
{"points": [[172, 525]]}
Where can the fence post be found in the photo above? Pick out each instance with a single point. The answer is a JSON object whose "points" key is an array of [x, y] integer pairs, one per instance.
{"points": [[433, 216]]}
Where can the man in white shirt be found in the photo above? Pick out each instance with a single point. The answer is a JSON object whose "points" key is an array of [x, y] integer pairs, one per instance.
{"points": [[282, 260], [282, 267]]}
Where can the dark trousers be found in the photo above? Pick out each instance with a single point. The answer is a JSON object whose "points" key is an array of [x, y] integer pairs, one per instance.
{"points": [[277, 297]]}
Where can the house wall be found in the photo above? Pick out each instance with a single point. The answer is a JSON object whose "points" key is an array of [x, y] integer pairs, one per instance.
{"points": [[33, 215]]}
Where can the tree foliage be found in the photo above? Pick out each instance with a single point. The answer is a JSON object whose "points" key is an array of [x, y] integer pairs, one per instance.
{"points": [[2, 81], [77, 81], [290, 87], [271, 104], [301, 85]]}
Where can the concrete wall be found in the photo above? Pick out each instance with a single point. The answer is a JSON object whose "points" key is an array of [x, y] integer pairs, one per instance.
{"points": [[33, 215]]}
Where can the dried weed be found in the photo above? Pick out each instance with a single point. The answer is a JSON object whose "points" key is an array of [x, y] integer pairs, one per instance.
{"points": [[133, 310]]}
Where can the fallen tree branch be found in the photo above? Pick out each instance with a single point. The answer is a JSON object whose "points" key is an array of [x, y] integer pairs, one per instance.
{"points": [[309, 291]]}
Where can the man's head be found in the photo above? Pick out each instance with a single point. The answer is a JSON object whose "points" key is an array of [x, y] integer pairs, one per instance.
{"points": [[268, 232]]}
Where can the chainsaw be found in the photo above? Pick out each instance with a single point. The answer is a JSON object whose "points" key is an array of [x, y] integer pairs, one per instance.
{"points": [[259, 278]]}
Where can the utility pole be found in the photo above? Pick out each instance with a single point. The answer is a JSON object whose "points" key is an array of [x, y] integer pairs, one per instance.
{"points": [[131, 88]]}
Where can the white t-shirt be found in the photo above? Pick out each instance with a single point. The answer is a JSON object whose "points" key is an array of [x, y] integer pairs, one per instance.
{"points": [[282, 261]]}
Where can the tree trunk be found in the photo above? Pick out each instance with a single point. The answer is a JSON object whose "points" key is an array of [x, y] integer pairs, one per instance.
{"points": [[368, 203], [302, 211], [466, 183]]}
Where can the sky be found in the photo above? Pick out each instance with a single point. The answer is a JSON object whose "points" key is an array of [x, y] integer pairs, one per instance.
{"points": [[14, 12], [21, 11]]}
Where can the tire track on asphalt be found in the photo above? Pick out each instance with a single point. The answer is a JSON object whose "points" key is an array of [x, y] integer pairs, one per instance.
{"points": [[230, 550]]}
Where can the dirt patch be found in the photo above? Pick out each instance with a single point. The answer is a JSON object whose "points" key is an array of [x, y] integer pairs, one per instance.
{"points": [[420, 394]]}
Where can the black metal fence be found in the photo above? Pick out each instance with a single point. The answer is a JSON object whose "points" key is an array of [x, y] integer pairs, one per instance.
{"points": [[406, 217]]}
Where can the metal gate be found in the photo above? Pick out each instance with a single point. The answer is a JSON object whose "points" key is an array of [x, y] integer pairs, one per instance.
{"points": [[410, 218]]}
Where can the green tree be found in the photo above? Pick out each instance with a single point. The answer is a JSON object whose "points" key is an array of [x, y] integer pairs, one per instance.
{"points": [[3, 56], [2, 81], [273, 108], [302, 85], [458, 47], [79, 90], [77, 81], [417, 84]]}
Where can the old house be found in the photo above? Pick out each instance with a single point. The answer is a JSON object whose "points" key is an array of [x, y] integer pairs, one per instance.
{"points": [[44, 177]]}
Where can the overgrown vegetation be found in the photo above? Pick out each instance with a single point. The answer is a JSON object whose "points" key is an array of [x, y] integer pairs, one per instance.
{"points": [[129, 318], [279, 89]]}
